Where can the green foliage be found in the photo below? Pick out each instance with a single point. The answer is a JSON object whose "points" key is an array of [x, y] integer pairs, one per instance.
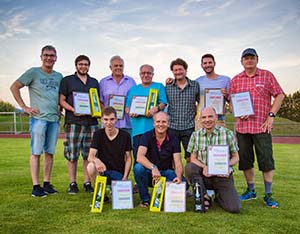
{"points": [[63, 213], [290, 107], [6, 106]]}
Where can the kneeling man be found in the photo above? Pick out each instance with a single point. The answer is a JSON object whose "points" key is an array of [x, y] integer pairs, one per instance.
{"points": [[110, 151], [156, 154], [196, 170]]}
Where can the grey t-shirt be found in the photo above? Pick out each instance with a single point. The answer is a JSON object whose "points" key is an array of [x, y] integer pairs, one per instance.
{"points": [[43, 92]]}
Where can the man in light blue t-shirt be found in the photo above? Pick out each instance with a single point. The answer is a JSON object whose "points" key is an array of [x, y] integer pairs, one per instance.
{"points": [[43, 85], [212, 80], [144, 123]]}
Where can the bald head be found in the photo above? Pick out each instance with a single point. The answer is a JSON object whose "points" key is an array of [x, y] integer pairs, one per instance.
{"points": [[208, 118]]}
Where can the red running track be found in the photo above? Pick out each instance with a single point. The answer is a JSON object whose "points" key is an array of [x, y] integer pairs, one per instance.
{"points": [[276, 139]]}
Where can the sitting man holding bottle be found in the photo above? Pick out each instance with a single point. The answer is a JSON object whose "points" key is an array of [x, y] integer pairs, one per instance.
{"points": [[156, 154], [197, 170]]}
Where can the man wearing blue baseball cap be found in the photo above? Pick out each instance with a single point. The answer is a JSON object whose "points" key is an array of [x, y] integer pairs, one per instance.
{"points": [[255, 130]]}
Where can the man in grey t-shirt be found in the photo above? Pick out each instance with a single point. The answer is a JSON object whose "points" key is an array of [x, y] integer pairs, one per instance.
{"points": [[43, 84]]}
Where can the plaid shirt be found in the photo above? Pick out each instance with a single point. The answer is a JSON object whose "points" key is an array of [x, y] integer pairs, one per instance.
{"points": [[182, 104], [200, 141], [262, 86]]}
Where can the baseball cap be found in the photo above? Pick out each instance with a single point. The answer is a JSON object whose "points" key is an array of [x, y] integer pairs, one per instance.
{"points": [[249, 51]]}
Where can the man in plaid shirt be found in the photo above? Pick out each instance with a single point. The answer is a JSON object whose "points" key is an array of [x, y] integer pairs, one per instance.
{"points": [[255, 130], [212, 134]]}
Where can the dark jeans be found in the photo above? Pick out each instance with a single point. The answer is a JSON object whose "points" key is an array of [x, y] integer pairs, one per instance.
{"points": [[143, 178], [184, 137], [226, 193]]}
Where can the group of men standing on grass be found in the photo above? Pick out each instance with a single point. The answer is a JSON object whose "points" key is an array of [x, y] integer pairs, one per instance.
{"points": [[154, 137]]}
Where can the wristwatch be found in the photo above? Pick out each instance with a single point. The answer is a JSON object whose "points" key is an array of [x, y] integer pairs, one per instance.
{"points": [[271, 114], [153, 167]]}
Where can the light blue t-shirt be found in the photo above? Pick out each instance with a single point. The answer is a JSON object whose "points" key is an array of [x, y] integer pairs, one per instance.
{"points": [[43, 92], [142, 124], [217, 83]]}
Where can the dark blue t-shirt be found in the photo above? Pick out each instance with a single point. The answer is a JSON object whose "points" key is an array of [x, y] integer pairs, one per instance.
{"points": [[163, 157]]}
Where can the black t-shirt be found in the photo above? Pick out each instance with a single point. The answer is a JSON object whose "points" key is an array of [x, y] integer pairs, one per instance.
{"points": [[112, 153], [70, 84]]}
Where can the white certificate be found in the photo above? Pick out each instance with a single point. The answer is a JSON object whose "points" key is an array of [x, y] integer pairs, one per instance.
{"points": [[118, 103], [214, 98], [242, 104], [218, 159], [175, 199], [81, 103], [139, 105], [122, 194]]}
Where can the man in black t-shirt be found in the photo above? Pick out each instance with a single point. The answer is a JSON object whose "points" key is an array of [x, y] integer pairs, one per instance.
{"points": [[110, 151]]}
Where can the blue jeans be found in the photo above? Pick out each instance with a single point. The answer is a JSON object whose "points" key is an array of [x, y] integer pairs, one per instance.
{"points": [[112, 175], [143, 178]]}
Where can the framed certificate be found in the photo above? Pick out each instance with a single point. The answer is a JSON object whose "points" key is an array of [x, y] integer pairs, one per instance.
{"points": [[175, 197], [152, 99], [99, 193], [95, 103], [242, 104], [138, 105], [158, 195], [118, 103], [81, 103], [218, 159], [214, 98], [122, 194]]}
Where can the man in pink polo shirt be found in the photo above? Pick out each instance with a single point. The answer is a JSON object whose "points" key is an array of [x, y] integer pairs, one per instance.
{"points": [[255, 130]]}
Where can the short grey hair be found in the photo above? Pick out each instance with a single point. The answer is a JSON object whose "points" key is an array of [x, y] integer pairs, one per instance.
{"points": [[168, 116], [147, 65], [116, 57]]}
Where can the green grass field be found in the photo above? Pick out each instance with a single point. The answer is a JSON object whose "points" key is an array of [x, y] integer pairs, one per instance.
{"points": [[63, 213], [282, 127]]}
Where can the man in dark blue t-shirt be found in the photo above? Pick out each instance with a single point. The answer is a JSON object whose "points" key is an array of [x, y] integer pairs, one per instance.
{"points": [[156, 154]]}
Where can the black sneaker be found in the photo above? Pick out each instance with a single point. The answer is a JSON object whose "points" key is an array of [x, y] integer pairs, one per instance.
{"points": [[88, 187], [38, 192], [49, 189], [73, 189]]}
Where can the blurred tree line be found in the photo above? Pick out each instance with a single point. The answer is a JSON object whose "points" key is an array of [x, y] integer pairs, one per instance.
{"points": [[6, 106], [290, 108]]}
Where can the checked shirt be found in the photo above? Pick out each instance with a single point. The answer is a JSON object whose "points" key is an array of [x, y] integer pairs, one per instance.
{"points": [[200, 141], [262, 86], [182, 104]]}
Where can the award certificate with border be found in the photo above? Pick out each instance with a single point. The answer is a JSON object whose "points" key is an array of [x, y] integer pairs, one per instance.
{"points": [[138, 105], [175, 197], [118, 103], [214, 98], [242, 104], [81, 103], [218, 159], [122, 197]]}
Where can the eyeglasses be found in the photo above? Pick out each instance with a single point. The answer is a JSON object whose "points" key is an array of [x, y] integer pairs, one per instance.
{"points": [[49, 55], [83, 64], [146, 73]]}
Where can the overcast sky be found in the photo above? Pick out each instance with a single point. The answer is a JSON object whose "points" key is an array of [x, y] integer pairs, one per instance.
{"points": [[154, 32]]}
